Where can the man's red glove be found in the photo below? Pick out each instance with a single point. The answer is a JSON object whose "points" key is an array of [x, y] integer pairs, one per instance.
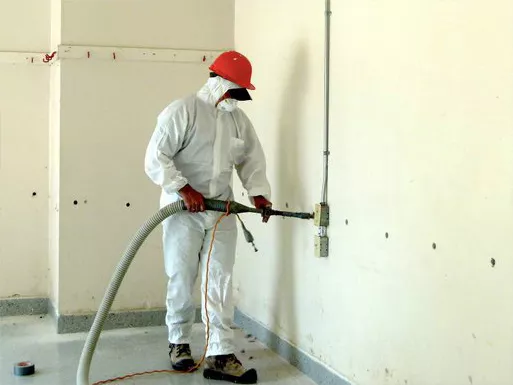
{"points": [[260, 204], [194, 201]]}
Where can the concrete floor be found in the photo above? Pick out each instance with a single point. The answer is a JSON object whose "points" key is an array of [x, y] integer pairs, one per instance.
{"points": [[119, 352]]}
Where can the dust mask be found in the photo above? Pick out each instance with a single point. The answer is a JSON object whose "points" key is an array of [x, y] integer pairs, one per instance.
{"points": [[228, 105], [217, 87]]}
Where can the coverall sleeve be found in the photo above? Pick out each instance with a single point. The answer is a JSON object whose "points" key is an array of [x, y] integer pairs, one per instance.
{"points": [[252, 170], [166, 141]]}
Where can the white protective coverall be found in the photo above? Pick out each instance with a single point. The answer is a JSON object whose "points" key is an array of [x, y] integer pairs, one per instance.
{"points": [[199, 144]]}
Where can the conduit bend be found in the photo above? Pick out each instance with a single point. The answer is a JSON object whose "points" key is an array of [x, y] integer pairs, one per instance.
{"points": [[129, 254]]}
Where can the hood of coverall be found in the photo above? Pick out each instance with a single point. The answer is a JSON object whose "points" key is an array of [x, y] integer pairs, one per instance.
{"points": [[214, 90]]}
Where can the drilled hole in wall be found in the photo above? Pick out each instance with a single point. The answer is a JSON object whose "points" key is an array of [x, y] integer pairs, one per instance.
{"points": [[386, 235], [34, 194], [347, 222], [434, 246], [128, 204], [493, 262], [75, 203]]}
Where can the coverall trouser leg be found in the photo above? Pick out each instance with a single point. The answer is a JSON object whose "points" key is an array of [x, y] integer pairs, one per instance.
{"points": [[186, 242]]}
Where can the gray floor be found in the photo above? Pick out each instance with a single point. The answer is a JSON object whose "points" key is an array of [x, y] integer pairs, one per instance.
{"points": [[119, 352]]}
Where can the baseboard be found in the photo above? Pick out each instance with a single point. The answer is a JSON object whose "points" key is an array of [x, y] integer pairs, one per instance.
{"points": [[10, 307], [78, 323], [319, 373], [67, 324]]}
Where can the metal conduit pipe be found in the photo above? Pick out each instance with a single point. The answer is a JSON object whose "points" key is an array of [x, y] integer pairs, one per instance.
{"points": [[326, 153]]}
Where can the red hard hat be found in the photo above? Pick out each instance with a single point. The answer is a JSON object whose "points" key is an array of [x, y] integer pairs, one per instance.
{"points": [[235, 67]]}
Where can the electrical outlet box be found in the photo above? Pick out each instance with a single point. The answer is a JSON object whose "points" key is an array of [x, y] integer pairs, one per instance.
{"points": [[321, 247], [322, 215]]}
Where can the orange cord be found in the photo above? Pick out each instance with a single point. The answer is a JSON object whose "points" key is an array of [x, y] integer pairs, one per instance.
{"points": [[200, 362]]}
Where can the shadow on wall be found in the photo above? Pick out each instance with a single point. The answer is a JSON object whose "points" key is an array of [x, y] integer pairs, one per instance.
{"points": [[289, 193]]}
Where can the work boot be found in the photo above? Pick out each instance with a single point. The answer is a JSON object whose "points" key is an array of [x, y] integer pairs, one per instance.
{"points": [[181, 358], [228, 368]]}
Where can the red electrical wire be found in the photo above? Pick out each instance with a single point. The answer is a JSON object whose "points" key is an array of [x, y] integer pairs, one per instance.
{"points": [[200, 362]]}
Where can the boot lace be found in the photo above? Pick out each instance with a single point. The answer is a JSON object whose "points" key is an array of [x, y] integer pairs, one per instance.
{"points": [[182, 350]]}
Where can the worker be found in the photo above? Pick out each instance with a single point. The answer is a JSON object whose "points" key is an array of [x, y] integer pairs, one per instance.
{"points": [[197, 142]]}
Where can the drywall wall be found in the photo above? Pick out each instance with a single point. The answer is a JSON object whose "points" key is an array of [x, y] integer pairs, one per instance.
{"points": [[108, 110], [422, 149], [24, 180], [24, 27], [108, 113], [175, 24], [54, 111]]}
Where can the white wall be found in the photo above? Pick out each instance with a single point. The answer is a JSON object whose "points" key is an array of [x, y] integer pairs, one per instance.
{"points": [[107, 114], [89, 121], [54, 110], [24, 27], [422, 148], [176, 24]]}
